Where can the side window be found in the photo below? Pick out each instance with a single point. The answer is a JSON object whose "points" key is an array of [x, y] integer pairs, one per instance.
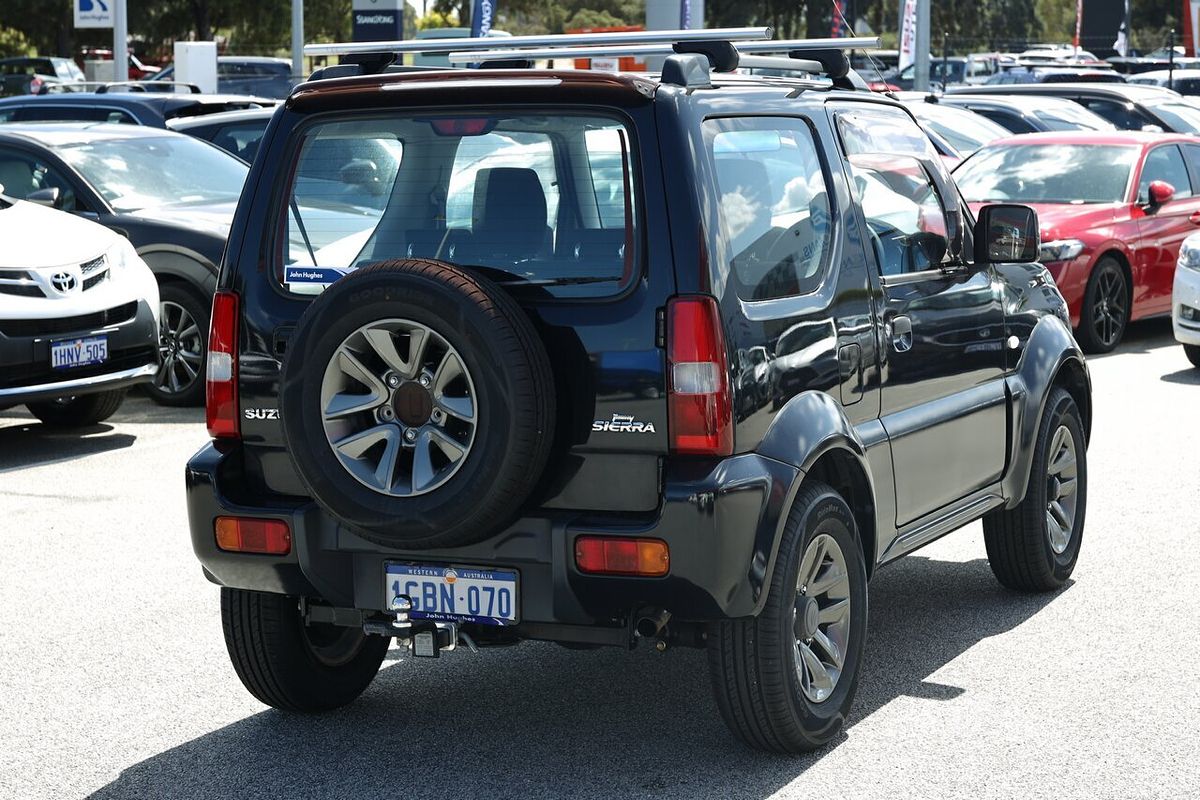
{"points": [[905, 216], [774, 214], [241, 140], [1007, 119], [1191, 154], [1125, 118], [883, 129], [1164, 164], [21, 175]]}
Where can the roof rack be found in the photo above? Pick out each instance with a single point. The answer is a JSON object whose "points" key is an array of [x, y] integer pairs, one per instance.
{"points": [[691, 54], [813, 56], [558, 40], [794, 48]]}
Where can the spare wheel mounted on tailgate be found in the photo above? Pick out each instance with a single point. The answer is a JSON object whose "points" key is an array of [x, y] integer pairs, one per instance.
{"points": [[418, 404]]}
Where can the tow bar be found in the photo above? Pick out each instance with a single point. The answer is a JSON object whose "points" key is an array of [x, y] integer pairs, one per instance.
{"points": [[423, 638]]}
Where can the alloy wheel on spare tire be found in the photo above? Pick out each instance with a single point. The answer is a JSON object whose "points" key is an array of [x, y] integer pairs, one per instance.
{"points": [[418, 404], [1106, 305]]}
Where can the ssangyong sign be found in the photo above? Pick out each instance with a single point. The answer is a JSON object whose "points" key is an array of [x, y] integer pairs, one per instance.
{"points": [[377, 20]]}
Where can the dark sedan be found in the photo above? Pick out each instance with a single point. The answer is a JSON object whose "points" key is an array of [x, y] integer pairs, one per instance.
{"points": [[132, 107], [1127, 106], [1030, 114], [172, 195]]}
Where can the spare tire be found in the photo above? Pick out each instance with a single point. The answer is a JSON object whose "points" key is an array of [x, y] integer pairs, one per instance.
{"points": [[417, 404]]}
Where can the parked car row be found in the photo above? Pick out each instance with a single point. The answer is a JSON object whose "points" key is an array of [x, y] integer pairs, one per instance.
{"points": [[1114, 207]]}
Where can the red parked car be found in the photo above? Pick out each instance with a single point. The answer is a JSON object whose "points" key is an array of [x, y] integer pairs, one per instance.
{"points": [[1113, 208]]}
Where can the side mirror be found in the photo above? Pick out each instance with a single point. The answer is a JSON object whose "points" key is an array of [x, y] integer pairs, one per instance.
{"points": [[1006, 232], [44, 197], [1160, 192], [1150, 127]]}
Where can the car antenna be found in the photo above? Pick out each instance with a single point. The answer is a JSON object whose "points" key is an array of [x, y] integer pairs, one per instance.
{"points": [[875, 63]]}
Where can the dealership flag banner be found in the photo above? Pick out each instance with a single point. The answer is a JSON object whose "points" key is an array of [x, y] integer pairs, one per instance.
{"points": [[908, 32], [481, 17], [1121, 45]]}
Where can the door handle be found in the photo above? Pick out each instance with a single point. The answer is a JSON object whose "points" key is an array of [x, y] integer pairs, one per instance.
{"points": [[900, 332], [1194, 218]]}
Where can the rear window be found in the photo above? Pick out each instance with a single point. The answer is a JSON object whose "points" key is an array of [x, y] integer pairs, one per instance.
{"points": [[529, 200]]}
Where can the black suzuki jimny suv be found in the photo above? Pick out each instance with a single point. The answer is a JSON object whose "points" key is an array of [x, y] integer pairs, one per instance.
{"points": [[601, 358]]}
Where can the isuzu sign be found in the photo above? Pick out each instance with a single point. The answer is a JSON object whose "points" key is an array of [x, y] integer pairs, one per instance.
{"points": [[93, 13]]}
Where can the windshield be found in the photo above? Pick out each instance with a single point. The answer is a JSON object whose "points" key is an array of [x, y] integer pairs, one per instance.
{"points": [[964, 130], [1047, 173], [138, 173], [1180, 117]]}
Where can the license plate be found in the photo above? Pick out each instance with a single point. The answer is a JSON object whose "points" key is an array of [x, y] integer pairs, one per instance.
{"points": [[79, 352], [455, 594]]}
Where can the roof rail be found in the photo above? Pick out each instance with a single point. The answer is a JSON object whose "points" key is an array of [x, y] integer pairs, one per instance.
{"points": [[104, 87], [558, 40]]}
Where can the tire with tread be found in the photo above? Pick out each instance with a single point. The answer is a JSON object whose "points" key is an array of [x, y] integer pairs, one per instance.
{"points": [[1017, 540], [1089, 339], [515, 402], [752, 660], [199, 308], [78, 412], [1192, 351], [277, 662]]}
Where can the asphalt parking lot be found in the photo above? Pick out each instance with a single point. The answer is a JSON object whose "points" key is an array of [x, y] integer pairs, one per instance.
{"points": [[115, 680]]}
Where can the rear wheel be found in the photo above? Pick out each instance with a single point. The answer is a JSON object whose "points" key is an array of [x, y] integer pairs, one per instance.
{"points": [[784, 681], [1192, 351], [182, 346], [78, 412], [1106, 305], [293, 666], [1034, 546]]}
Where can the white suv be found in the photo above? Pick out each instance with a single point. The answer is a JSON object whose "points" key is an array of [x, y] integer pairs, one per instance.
{"points": [[78, 315], [1185, 298]]}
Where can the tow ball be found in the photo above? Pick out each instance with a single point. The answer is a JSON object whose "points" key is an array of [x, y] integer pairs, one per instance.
{"points": [[423, 638]]}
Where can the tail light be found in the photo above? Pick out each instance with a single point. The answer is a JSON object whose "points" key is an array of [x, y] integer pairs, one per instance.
{"points": [[604, 555], [242, 535], [221, 386], [700, 407]]}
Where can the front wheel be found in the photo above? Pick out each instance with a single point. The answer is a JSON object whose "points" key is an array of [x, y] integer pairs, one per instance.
{"points": [[1106, 307], [784, 681], [1192, 351], [182, 346], [78, 412], [1034, 547], [293, 666]]}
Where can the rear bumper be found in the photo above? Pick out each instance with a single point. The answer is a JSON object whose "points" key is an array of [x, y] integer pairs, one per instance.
{"points": [[132, 359], [721, 521]]}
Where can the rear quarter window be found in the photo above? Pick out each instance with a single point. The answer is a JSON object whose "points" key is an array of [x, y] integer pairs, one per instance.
{"points": [[543, 203]]}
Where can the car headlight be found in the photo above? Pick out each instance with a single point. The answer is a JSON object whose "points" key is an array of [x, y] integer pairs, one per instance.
{"points": [[1060, 250], [1189, 253]]}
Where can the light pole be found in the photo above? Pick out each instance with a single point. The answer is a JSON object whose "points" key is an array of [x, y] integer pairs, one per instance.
{"points": [[298, 39], [120, 42]]}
